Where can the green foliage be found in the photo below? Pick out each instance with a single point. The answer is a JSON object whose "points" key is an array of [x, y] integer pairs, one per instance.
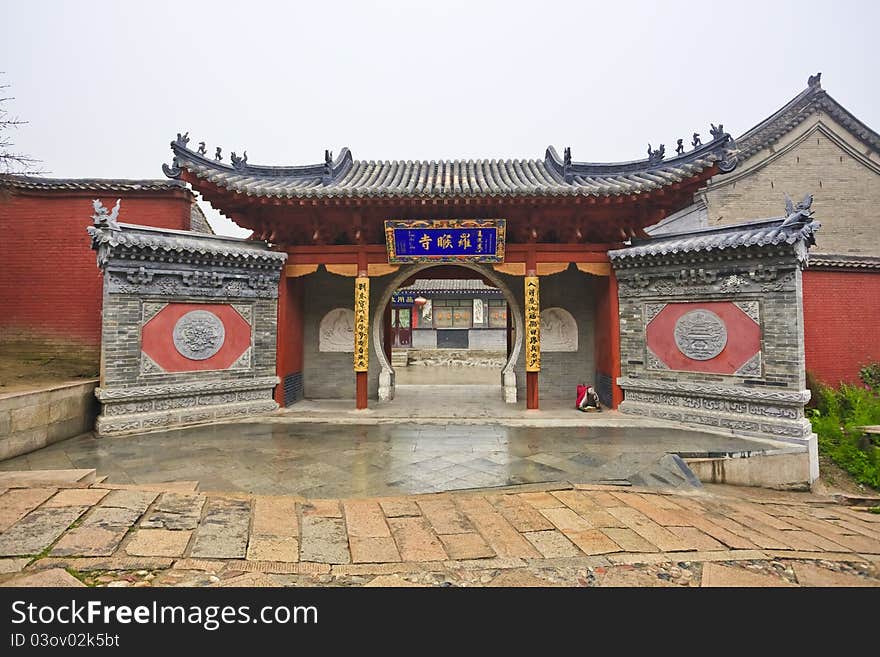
{"points": [[837, 416], [870, 375]]}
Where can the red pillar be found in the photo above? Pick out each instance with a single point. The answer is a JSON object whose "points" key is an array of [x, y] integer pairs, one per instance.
{"points": [[289, 347]]}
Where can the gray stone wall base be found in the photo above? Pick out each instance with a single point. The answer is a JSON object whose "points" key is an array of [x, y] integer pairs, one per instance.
{"points": [[784, 471], [161, 420]]}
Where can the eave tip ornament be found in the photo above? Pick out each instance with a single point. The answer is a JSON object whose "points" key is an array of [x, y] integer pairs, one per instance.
{"points": [[104, 218], [815, 81]]}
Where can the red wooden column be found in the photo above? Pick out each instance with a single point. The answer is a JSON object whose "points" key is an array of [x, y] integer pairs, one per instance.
{"points": [[289, 345], [531, 377], [613, 320], [361, 378]]}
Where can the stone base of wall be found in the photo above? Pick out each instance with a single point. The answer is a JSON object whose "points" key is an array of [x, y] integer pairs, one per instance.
{"points": [[34, 419], [758, 412], [788, 471], [152, 408]]}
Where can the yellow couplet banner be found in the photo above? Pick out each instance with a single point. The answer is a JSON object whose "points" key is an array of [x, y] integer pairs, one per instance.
{"points": [[361, 324], [533, 324]]}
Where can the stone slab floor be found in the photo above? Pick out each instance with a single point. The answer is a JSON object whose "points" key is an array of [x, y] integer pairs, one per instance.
{"points": [[567, 535], [326, 460]]}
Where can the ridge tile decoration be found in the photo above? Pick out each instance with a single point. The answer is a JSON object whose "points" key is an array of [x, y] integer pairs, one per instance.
{"points": [[361, 324], [449, 240], [533, 324]]}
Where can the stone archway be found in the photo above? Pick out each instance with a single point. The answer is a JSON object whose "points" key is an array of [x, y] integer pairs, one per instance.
{"points": [[386, 373]]}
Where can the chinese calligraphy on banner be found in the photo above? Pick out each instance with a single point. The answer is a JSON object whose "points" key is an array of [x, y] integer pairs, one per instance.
{"points": [[445, 240], [361, 324], [533, 324]]}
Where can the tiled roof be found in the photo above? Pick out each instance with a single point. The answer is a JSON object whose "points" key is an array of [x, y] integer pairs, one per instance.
{"points": [[450, 285], [811, 100], [839, 261], [766, 232], [160, 241], [346, 177], [90, 184]]}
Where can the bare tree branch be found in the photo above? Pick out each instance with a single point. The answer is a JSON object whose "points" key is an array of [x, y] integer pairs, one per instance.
{"points": [[11, 162]]}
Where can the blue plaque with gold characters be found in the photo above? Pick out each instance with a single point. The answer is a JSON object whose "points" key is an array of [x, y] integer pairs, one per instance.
{"points": [[445, 240]]}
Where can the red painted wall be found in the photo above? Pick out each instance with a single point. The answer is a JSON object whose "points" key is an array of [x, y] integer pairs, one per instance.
{"points": [[842, 323], [49, 283]]}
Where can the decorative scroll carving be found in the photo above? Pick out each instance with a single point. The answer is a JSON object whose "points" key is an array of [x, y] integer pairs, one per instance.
{"points": [[244, 361], [750, 308], [559, 330], [796, 397], [246, 311], [752, 367], [652, 310], [652, 362], [199, 334], [700, 334], [149, 366], [336, 331], [176, 389], [150, 309], [732, 284]]}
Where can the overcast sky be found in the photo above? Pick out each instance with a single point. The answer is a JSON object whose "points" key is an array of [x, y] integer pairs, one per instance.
{"points": [[106, 85]]}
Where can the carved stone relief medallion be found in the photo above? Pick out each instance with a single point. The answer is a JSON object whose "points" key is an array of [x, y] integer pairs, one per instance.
{"points": [[199, 334], [700, 334]]}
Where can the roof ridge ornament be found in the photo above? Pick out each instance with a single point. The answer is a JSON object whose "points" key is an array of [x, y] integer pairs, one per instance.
{"points": [[696, 142], [656, 156], [815, 81], [717, 132], [182, 139], [797, 214], [566, 164], [218, 154], [104, 218], [238, 162]]}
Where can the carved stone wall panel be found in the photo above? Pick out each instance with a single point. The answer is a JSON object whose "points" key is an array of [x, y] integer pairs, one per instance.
{"points": [[559, 330], [700, 334], [336, 331]]}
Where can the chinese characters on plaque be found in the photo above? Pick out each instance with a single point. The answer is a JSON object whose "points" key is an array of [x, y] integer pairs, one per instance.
{"points": [[445, 240], [361, 324], [533, 324]]}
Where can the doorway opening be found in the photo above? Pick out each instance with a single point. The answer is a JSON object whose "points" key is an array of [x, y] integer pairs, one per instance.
{"points": [[450, 330]]}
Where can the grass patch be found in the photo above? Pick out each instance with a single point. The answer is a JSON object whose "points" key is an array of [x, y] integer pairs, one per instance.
{"points": [[836, 417]]}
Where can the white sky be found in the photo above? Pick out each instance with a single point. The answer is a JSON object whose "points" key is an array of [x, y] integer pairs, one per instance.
{"points": [[106, 85]]}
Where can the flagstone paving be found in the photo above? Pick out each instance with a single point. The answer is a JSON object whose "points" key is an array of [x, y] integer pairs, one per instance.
{"points": [[573, 535]]}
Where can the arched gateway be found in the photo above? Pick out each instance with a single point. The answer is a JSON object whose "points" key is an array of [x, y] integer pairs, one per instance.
{"points": [[522, 222], [703, 328]]}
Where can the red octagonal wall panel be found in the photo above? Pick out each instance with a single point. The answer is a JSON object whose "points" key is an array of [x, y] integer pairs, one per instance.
{"points": [[157, 338], [743, 338]]}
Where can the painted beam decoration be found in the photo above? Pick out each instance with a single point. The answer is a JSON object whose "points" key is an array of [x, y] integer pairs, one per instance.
{"points": [[446, 240], [533, 324], [361, 324]]}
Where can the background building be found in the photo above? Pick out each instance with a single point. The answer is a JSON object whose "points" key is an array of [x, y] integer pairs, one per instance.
{"points": [[813, 145]]}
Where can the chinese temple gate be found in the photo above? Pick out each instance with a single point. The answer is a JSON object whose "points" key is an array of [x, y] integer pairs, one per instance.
{"points": [[540, 230]]}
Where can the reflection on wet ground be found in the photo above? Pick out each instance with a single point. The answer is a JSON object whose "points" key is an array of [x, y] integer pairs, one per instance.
{"points": [[324, 460]]}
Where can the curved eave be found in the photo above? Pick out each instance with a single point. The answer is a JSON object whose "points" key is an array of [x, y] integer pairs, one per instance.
{"points": [[345, 178]]}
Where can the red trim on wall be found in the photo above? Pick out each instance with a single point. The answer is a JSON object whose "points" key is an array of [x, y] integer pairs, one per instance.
{"points": [[158, 343], [289, 353]]}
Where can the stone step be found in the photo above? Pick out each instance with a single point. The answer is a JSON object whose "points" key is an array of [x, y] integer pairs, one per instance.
{"points": [[399, 358], [21, 478]]}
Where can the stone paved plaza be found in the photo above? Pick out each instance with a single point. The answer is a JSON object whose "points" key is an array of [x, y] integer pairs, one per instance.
{"points": [[58, 529], [327, 460]]}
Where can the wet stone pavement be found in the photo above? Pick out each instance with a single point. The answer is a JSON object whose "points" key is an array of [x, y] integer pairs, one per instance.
{"points": [[330, 461], [98, 534]]}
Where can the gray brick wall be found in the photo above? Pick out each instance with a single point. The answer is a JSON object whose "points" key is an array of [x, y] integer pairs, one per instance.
{"points": [[136, 394]]}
